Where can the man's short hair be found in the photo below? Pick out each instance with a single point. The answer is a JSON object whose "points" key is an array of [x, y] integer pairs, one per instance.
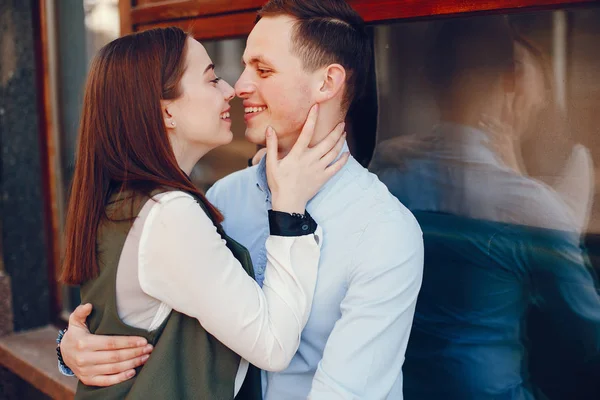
{"points": [[480, 48], [328, 32]]}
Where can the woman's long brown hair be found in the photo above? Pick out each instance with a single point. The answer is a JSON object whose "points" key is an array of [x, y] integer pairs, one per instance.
{"points": [[123, 142]]}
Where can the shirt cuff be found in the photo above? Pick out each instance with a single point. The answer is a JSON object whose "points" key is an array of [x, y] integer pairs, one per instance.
{"points": [[284, 224]]}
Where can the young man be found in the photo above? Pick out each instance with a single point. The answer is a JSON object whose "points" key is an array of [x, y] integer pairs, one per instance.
{"points": [[372, 255]]}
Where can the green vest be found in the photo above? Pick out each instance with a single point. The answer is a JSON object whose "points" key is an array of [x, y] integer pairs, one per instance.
{"points": [[187, 362]]}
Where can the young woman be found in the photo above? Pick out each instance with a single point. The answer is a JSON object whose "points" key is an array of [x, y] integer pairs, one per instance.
{"points": [[146, 246]]}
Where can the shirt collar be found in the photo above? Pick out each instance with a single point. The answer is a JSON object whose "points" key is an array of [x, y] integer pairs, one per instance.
{"points": [[261, 176], [470, 143], [262, 182]]}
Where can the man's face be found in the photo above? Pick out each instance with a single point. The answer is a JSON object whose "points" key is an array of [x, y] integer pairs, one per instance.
{"points": [[274, 86]]}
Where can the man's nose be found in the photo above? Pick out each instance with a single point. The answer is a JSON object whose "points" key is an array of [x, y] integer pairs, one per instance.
{"points": [[244, 86]]}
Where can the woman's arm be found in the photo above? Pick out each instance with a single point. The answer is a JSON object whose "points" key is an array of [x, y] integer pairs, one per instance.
{"points": [[184, 263]]}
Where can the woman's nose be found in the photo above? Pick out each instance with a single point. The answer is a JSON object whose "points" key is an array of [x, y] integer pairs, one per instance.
{"points": [[228, 91]]}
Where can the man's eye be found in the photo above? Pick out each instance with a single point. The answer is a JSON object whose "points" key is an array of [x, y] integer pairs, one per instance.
{"points": [[263, 71]]}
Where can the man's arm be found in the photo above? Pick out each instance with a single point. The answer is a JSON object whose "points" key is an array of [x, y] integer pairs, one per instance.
{"points": [[563, 326], [565, 288], [364, 354], [99, 360]]}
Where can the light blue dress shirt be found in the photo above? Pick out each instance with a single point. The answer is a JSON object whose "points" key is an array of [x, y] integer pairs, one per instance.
{"points": [[370, 274]]}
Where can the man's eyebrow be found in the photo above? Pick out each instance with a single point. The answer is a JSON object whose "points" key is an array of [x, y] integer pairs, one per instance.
{"points": [[210, 66], [256, 60]]}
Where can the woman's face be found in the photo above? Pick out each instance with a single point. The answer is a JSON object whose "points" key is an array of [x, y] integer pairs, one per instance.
{"points": [[199, 121]]}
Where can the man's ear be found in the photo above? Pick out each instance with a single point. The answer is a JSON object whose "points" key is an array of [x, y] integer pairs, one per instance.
{"points": [[332, 82]]}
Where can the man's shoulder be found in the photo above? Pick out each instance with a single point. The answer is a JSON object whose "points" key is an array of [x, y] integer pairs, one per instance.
{"points": [[391, 240], [372, 194], [370, 205], [232, 183], [539, 205], [393, 223], [242, 177]]}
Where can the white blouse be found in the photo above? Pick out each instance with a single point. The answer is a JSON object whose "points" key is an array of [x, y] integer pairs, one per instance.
{"points": [[173, 258]]}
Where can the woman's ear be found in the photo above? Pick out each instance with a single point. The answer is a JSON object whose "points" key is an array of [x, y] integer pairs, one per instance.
{"points": [[332, 82], [170, 122]]}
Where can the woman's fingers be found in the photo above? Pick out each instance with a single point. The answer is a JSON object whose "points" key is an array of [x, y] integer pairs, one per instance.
{"points": [[271, 149], [330, 141], [334, 152], [337, 166], [296, 178], [308, 130]]}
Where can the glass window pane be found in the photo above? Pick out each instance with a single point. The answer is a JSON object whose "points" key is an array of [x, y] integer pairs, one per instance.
{"points": [[488, 132]]}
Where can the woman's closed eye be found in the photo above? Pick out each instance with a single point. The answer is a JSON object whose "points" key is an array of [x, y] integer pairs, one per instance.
{"points": [[216, 80]]}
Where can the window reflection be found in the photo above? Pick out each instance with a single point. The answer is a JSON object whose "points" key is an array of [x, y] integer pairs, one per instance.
{"points": [[481, 134]]}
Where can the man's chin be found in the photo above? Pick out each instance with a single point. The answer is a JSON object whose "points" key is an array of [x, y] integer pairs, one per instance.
{"points": [[256, 136]]}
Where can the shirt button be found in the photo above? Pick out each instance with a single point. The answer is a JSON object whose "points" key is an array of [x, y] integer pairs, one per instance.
{"points": [[304, 227]]}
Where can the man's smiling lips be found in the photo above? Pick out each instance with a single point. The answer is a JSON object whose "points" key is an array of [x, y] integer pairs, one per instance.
{"points": [[251, 110]]}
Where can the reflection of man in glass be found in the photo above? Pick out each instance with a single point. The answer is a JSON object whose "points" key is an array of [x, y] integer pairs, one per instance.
{"points": [[497, 242]]}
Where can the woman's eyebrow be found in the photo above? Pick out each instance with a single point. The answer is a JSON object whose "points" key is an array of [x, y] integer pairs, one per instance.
{"points": [[210, 67]]}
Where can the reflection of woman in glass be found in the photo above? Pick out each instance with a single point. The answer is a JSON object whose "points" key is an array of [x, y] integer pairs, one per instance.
{"points": [[530, 115], [148, 248]]}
